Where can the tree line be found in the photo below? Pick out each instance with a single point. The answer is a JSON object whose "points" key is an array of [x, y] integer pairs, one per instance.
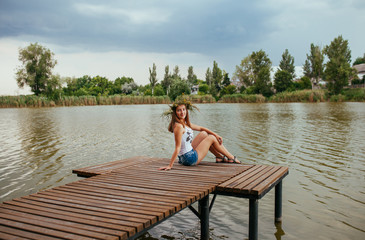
{"points": [[252, 76]]}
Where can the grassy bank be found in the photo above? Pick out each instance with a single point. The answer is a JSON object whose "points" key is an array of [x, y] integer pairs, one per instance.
{"points": [[300, 96], [198, 98], [243, 98], [35, 101], [348, 95], [320, 95]]}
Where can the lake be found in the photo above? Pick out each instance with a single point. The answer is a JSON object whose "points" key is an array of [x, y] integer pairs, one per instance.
{"points": [[323, 144]]}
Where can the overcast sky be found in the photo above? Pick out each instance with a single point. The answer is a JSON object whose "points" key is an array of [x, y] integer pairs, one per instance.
{"points": [[124, 38]]}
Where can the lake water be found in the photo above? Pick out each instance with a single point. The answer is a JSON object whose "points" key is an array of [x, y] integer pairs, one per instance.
{"points": [[323, 144]]}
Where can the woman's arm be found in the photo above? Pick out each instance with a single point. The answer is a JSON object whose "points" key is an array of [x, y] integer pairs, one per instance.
{"points": [[210, 132], [178, 132]]}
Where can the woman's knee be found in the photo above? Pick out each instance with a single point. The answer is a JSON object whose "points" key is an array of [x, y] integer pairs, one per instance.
{"points": [[204, 134], [213, 139]]}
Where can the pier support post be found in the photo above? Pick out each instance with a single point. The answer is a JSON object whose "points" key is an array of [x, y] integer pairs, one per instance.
{"points": [[253, 219], [278, 202], [204, 217]]}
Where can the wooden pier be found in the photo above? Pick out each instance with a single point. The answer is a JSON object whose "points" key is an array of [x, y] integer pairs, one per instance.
{"points": [[124, 199]]}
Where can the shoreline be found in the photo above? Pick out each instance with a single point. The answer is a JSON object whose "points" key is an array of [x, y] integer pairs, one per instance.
{"points": [[302, 96]]}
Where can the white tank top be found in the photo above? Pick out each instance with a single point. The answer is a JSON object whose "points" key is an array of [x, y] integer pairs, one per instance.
{"points": [[186, 140]]}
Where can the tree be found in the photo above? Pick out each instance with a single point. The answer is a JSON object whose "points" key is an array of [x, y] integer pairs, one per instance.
{"points": [[229, 90], [36, 70], [303, 83], [254, 73], [167, 80], [54, 88], [338, 68], [217, 75], [159, 90], [208, 77], [192, 79], [244, 72], [203, 89], [287, 63], [313, 66], [178, 87], [226, 79], [359, 60], [176, 73], [282, 80], [153, 79]]}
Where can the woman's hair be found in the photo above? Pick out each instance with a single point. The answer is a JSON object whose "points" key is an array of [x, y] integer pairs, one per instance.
{"points": [[175, 119]]}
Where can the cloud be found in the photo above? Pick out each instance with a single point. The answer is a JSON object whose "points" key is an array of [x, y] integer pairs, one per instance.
{"points": [[152, 26]]}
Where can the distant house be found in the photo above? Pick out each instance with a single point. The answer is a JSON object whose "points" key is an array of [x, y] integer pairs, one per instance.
{"points": [[194, 89], [360, 70]]}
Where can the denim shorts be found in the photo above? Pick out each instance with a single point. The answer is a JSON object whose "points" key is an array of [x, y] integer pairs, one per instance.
{"points": [[189, 158]]}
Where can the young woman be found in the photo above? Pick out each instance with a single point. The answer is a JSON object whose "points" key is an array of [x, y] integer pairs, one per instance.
{"points": [[192, 151]]}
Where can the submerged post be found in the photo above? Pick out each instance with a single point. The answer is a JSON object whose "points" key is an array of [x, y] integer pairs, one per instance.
{"points": [[278, 202], [253, 219], [204, 217]]}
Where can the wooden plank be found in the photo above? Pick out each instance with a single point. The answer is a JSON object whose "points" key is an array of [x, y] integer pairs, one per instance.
{"points": [[112, 198], [249, 182], [109, 166], [113, 223], [92, 191], [39, 222], [22, 234], [159, 185], [191, 196], [64, 214], [41, 230], [10, 236], [257, 190], [95, 207], [259, 178], [240, 177], [96, 226], [60, 196]]}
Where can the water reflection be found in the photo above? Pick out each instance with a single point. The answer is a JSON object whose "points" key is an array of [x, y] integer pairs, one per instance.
{"points": [[40, 142]]}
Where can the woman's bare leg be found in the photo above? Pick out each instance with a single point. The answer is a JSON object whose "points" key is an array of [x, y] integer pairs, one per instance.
{"points": [[204, 146], [199, 138]]}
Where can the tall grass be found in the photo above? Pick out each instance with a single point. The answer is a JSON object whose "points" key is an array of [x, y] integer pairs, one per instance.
{"points": [[354, 95], [37, 101], [318, 95], [197, 98], [243, 98]]}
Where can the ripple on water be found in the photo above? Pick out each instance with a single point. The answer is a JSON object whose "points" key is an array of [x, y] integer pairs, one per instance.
{"points": [[323, 145]]}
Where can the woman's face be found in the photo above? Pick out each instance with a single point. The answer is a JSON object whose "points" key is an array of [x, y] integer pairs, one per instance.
{"points": [[181, 112]]}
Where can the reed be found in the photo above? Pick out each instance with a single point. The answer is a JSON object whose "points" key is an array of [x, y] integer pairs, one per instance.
{"points": [[243, 98], [66, 101], [318, 95], [197, 98], [354, 95]]}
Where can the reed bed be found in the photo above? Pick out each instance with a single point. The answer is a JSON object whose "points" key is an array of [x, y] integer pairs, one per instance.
{"points": [[197, 98], [354, 95], [243, 98], [37, 101], [318, 95]]}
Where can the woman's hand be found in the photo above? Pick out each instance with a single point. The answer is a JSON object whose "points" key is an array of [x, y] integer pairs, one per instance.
{"points": [[165, 168], [220, 139]]}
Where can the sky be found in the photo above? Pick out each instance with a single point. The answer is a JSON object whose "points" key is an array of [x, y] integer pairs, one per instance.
{"points": [[124, 38]]}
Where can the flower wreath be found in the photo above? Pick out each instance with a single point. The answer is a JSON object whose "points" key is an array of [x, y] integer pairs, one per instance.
{"points": [[182, 101]]}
